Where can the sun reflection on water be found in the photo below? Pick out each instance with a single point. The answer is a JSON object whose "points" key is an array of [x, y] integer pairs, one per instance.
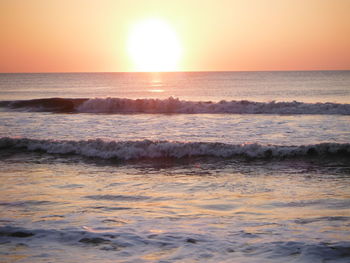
{"points": [[156, 90]]}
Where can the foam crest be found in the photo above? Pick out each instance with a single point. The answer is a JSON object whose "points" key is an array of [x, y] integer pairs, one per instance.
{"points": [[127, 150], [174, 105]]}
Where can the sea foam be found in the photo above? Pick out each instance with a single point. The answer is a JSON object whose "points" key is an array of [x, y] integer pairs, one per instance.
{"points": [[174, 105], [126, 150]]}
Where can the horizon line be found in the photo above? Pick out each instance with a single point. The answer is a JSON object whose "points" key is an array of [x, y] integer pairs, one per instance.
{"points": [[160, 72]]}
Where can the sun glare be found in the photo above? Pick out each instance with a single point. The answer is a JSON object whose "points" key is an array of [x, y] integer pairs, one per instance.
{"points": [[154, 46]]}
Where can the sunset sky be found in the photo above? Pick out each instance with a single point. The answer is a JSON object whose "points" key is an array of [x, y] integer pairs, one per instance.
{"points": [[201, 35]]}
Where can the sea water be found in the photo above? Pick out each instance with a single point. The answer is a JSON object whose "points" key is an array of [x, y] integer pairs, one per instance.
{"points": [[175, 167]]}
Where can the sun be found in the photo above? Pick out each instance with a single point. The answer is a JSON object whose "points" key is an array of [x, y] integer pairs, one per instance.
{"points": [[154, 46]]}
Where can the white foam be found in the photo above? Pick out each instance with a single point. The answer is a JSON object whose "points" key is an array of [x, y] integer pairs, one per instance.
{"points": [[126, 150], [174, 105]]}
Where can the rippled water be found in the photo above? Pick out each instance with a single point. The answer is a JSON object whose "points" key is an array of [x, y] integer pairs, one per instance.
{"points": [[179, 187], [235, 128], [173, 211]]}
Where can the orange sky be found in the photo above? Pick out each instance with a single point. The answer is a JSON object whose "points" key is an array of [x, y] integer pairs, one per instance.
{"points": [[91, 35]]}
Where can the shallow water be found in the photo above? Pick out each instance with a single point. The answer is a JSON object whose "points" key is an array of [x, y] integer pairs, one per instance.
{"points": [[233, 128], [174, 211]]}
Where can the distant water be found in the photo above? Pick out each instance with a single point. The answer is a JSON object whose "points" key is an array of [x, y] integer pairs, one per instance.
{"points": [[302, 86], [175, 167]]}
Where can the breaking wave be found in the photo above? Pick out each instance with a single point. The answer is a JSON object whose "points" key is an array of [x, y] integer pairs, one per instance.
{"points": [[173, 105], [128, 150]]}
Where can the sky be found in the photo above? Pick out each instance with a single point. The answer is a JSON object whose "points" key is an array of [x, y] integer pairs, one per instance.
{"points": [[210, 35]]}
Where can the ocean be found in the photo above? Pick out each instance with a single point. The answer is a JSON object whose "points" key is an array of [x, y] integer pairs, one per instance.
{"points": [[175, 167]]}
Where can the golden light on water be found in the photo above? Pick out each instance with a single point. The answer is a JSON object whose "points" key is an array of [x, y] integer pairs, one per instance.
{"points": [[154, 46], [156, 90]]}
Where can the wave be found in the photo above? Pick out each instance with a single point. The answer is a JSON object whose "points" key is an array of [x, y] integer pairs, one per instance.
{"points": [[44, 105], [111, 241], [147, 149], [173, 105]]}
